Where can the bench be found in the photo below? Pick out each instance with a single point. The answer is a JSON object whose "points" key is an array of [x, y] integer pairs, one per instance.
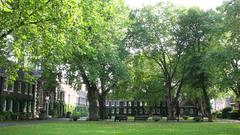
{"points": [[120, 117], [141, 117]]}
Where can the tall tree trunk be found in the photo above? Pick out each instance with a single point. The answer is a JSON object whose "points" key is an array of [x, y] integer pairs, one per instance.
{"points": [[171, 107], [102, 107], [208, 104], [93, 107], [171, 110]]}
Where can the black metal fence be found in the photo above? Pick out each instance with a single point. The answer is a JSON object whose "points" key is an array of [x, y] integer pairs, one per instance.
{"points": [[132, 108]]}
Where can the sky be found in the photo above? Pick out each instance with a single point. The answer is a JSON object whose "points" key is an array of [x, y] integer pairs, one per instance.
{"points": [[203, 4]]}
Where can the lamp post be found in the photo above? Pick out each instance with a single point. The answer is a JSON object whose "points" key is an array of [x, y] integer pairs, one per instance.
{"points": [[47, 102]]}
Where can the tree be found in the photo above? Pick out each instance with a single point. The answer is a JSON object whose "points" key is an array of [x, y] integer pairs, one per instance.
{"points": [[152, 34], [196, 35], [230, 52], [32, 31], [96, 50]]}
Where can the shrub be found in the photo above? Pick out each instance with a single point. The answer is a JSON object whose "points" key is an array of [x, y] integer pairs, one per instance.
{"points": [[185, 117], [198, 119], [7, 116], [75, 116], [2, 118], [14, 116], [53, 113], [68, 115], [225, 112], [29, 115]]}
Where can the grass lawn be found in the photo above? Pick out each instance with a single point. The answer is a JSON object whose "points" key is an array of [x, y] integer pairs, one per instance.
{"points": [[123, 128]]}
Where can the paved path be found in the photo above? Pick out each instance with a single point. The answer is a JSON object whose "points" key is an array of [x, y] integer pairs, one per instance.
{"points": [[13, 123]]}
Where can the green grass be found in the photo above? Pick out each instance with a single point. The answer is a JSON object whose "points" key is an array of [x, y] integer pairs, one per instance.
{"points": [[123, 128]]}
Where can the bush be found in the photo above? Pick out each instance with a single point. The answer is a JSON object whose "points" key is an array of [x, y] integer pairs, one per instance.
{"points": [[53, 113], [2, 118], [7, 116], [14, 116], [75, 116], [226, 111], [198, 119], [29, 115], [185, 117], [68, 115]]}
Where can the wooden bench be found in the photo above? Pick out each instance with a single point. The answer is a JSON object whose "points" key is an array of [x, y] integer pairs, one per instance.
{"points": [[141, 117], [120, 117]]}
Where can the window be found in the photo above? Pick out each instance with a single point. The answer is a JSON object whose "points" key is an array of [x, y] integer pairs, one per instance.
{"points": [[26, 88], [129, 103], [117, 103], [10, 86], [5, 84], [125, 111], [125, 103], [129, 111], [10, 106], [191, 111], [158, 111], [181, 111], [23, 87], [141, 111], [29, 88], [19, 87], [135, 103], [29, 106], [79, 100], [117, 110], [32, 89], [5, 105], [107, 103], [112, 111]]}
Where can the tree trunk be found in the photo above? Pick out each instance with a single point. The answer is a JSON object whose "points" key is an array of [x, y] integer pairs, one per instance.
{"points": [[102, 107], [171, 106], [171, 110], [93, 108], [208, 104]]}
